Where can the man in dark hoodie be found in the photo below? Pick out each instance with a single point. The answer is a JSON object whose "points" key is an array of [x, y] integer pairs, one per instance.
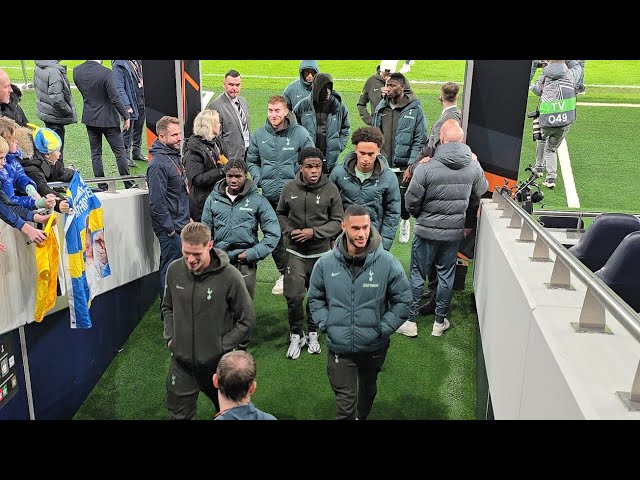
{"points": [[438, 197], [272, 161], [301, 87], [235, 379], [400, 117], [326, 119], [10, 96], [310, 213], [365, 179], [359, 295], [233, 211], [168, 192], [207, 312]]}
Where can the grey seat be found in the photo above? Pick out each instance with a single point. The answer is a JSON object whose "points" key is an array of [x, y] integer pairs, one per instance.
{"points": [[621, 273]]}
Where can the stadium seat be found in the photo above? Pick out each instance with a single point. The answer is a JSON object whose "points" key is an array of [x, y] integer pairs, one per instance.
{"points": [[604, 235], [550, 221], [621, 273]]}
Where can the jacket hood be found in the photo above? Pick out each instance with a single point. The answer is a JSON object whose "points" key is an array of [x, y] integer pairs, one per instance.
{"points": [[555, 71], [47, 63], [159, 148], [219, 260], [16, 94], [289, 121], [351, 160], [374, 242], [409, 97], [324, 179], [321, 82], [454, 155], [248, 187], [308, 65]]}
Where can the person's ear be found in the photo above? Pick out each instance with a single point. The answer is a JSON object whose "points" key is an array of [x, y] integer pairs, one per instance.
{"points": [[252, 387], [215, 380]]}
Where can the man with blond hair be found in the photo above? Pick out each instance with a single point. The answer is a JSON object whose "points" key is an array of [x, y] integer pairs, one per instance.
{"points": [[207, 312]]}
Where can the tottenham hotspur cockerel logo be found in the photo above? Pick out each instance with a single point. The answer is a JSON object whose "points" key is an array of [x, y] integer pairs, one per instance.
{"points": [[371, 275]]}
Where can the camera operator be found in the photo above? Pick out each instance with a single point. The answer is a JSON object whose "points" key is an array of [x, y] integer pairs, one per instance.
{"points": [[556, 89]]}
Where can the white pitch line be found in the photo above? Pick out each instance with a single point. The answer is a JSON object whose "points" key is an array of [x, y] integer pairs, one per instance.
{"points": [[567, 175], [589, 104]]}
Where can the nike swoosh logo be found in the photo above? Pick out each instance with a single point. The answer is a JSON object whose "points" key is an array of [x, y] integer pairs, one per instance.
{"points": [[292, 197], [333, 274], [383, 114], [298, 96], [346, 178], [376, 89], [179, 287], [265, 141], [243, 276]]}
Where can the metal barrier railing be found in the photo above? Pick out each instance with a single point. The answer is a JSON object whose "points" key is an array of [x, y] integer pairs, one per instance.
{"points": [[111, 182], [598, 298]]}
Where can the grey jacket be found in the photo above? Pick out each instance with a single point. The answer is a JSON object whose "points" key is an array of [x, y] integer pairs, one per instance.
{"points": [[53, 93], [300, 88], [230, 127], [438, 194], [556, 89]]}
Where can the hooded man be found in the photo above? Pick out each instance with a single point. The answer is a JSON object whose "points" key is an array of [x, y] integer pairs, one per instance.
{"points": [[301, 87], [326, 118]]}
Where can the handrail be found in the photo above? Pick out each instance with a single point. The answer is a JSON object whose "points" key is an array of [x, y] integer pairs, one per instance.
{"points": [[110, 181], [577, 213], [607, 297]]}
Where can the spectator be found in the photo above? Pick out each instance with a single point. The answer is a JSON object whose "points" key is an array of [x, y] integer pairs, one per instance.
{"points": [[138, 124], [204, 159], [359, 295], [10, 96], [272, 161], [310, 212], [234, 117], [43, 166], [54, 105], [207, 312], [365, 179], [400, 117], [301, 87], [438, 197], [326, 119], [101, 112], [168, 192], [235, 379]]}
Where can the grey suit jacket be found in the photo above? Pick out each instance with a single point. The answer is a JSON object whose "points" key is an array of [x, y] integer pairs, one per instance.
{"points": [[102, 106], [231, 130]]}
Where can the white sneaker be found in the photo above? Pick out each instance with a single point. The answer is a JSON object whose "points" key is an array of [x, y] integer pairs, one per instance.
{"points": [[278, 288], [296, 343], [409, 329], [314, 345], [405, 231], [439, 328]]}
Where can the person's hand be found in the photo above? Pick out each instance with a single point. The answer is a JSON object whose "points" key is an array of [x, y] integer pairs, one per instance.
{"points": [[467, 232], [130, 110], [303, 235], [50, 200], [38, 218], [64, 207], [406, 176], [35, 236], [474, 156], [425, 160], [169, 343], [126, 124], [2, 247], [243, 256]]}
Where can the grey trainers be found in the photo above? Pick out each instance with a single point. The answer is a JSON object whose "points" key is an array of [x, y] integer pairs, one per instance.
{"points": [[439, 328], [408, 329], [549, 183], [296, 343], [314, 345]]}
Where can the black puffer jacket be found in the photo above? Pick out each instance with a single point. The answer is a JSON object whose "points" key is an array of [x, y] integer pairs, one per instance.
{"points": [[12, 109]]}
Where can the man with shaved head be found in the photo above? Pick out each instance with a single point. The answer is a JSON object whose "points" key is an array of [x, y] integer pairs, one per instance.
{"points": [[437, 197]]}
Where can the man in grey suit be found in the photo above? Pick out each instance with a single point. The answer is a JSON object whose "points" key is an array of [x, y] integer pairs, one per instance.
{"points": [[234, 117], [102, 109]]}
